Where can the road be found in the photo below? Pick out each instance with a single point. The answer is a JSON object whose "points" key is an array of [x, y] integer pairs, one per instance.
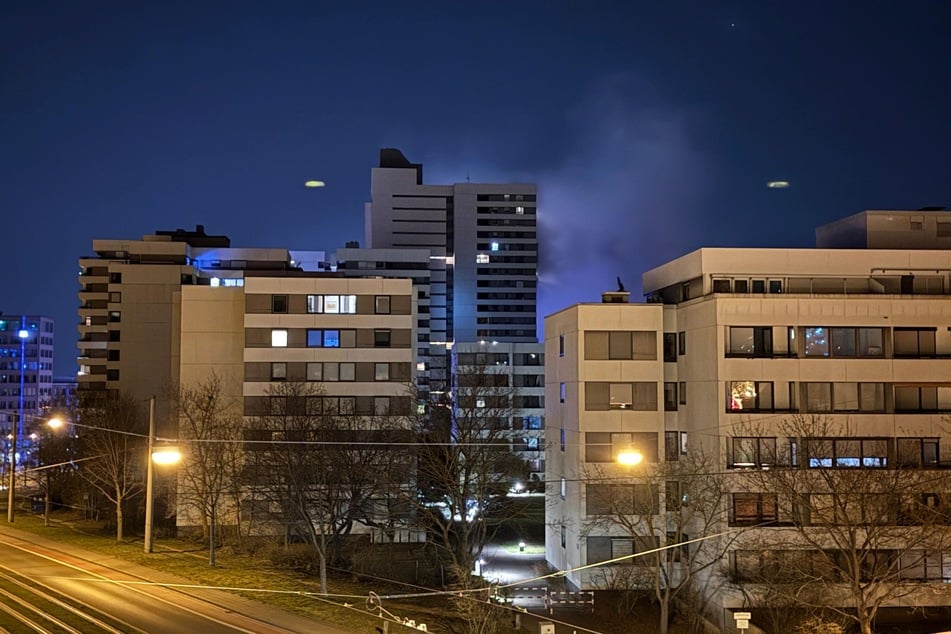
{"points": [[48, 587]]}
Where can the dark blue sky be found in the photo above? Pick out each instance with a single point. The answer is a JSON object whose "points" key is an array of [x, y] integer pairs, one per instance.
{"points": [[651, 128]]}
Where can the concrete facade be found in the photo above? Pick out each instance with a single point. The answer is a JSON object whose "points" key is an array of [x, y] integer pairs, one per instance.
{"points": [[739, 339]]}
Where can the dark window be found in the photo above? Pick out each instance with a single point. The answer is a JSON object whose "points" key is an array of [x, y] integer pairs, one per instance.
{"points": [[670, 397], [115, 278], [278, 303], [753, 451], [671, 453], [918, 452], [561, 345], [914, 342], [113, 355], [114, 335], [670, 346], [381, 338], [682, 342], [753, 508], [740, 286], [722, 286], [682, 392], [751, 341], [759, 286], [112, 375]]}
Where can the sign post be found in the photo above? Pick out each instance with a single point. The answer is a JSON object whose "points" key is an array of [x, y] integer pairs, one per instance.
{"points": [[742, 620]]}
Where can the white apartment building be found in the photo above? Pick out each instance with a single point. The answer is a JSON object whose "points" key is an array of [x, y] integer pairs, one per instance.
{"points": [[734, 340]]}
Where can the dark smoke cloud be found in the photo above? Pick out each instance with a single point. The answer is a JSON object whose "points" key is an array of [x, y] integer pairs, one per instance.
{"points": [[627, 197]]}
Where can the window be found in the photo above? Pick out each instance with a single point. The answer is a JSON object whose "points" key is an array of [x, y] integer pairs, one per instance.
{"points": [[564, 488], [278, 371], [564, 536], [681, 342], [561, 438], [620, 345], [759, 286], [381, 372], [622, 499], [115, 297], [315, 371], [922, 398], [914, 342], [645, 345], [605, 446], [753, 508], [347, 371], [751, 341], [278, 303], [114, 317], [640, 396], [382, 305], [279, 338], [114, 335], [682, 392], [846, 452], [332, 304], [562, 392], [775, 286], [381, 338], [323, 338], [918, 452], [482, 258], [331, 371], [741, 286], [816, 342], [670, 397], [381, 406], [113, 355], [671, 454], [755, 396], [116, 278], [670, 346], [753, 451], [561, 345], [722, 286]]}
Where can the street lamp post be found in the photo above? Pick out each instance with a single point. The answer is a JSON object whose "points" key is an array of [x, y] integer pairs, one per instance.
{"points": [[149, 501], [11, 484]]}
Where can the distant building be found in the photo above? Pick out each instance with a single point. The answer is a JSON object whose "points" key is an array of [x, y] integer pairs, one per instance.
{"points": [[739, 339], [32, 372], [481, 242]]}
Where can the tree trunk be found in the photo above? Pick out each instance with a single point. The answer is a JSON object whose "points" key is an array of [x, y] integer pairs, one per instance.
{"points": [[323, 562], [211, 538], [664, 624], [119, 534]]}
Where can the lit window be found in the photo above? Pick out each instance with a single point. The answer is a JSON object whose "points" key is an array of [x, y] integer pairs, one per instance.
{"points": [[482, 258], [520, 210], [278, 338], [421, 366], [495, 246], [381, 372], [278, 371]]}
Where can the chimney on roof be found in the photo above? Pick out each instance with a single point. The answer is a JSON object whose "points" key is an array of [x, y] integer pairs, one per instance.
{"points": [[615, 297]]}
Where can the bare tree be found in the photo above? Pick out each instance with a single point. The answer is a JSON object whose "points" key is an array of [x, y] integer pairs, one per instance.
{"points": [[113, 439], [211, 429], [861, 523], [466, 468], [664, 507], [327, 464]]}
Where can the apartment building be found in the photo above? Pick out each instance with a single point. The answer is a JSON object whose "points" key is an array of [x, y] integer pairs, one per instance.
{"points": [[732, 345], [519, 371], [128, 303], [26, 368], [481, 242]]}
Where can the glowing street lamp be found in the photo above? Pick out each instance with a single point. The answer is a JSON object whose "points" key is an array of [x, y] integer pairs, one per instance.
{"points": [[160, 456], [630, 457]]}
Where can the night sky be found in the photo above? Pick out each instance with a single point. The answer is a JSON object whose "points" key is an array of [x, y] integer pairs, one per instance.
{"points": [[651, 128]]}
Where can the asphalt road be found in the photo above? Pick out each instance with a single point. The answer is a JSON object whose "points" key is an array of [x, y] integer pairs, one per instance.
{"points": [[123, 595]]}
